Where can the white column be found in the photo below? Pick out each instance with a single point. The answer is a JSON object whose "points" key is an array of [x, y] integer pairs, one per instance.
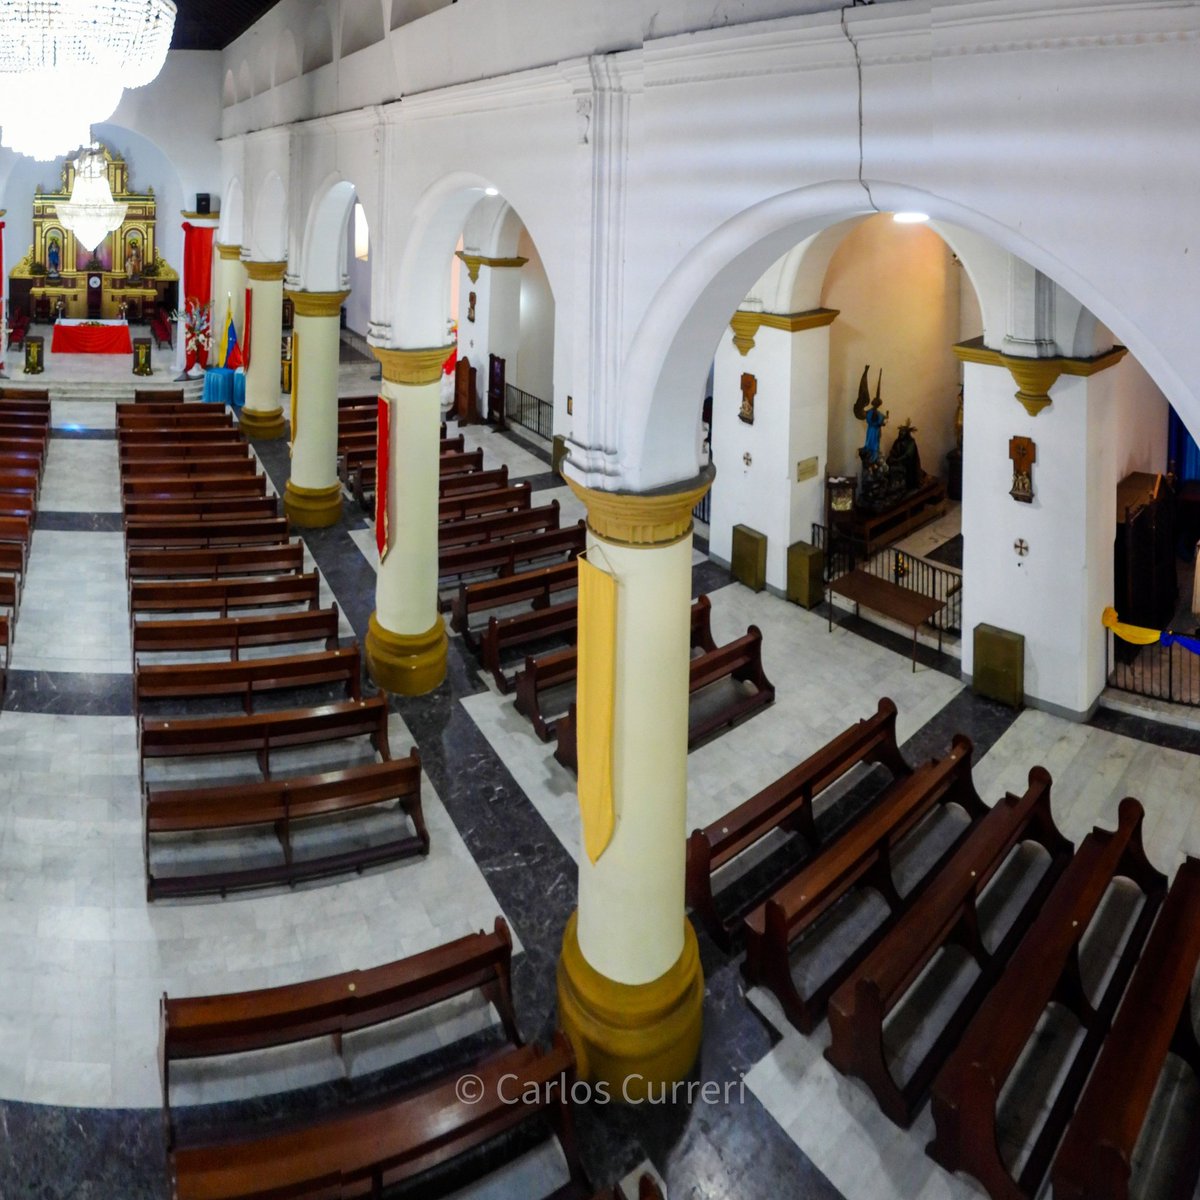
{"points": [[229, 280], [262, 416]]}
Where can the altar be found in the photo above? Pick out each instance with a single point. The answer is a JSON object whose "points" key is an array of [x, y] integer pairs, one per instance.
{"points": [[90, 337]]}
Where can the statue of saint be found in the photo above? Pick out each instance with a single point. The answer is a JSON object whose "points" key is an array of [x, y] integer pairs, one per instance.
{"points": [[873, 413], [53, 256], [904, 458], [133, 260]]}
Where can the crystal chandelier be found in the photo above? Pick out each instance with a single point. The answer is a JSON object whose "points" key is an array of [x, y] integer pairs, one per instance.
{"points": [[65, 63], [91, 214]]}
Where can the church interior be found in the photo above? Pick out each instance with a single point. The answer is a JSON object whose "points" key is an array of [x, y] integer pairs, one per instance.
{"points": [[599, 600]]}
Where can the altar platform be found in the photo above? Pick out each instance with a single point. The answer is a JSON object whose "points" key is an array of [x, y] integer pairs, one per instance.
{"points": [[75, 336]]}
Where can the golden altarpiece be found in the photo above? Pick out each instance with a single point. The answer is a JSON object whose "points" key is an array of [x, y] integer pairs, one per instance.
{"points": [[123, 276]]}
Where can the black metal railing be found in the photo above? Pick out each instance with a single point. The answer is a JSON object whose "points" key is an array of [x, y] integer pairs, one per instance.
{"points": [[522, 408], [844, 554], [1160, 672]]}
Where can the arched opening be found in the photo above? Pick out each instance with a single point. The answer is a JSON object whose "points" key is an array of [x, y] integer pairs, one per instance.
{"points": [[228, 91], [230, 228], [318, 42], [245, 86], [287, 58], [362, 25], [323, 265], [268, 234], [358, 270]]}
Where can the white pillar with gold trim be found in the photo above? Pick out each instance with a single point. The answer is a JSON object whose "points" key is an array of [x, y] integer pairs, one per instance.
{"points": [[406, 642], [313, 496], [262, 415], [229, 282], [630, 987]]}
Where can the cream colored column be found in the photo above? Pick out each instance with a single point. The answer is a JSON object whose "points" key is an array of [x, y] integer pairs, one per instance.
{"points": [[229, 281], [262, 416], [630, 987], [313, 496], [406, 641]]}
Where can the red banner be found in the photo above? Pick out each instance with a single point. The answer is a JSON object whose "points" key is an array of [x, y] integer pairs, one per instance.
{"points": [[382, 458], [246, 330], [197, 279]]}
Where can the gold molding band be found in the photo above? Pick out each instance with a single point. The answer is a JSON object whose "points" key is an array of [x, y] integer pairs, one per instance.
{"points": [[312, 508], [1035, 377], [475, 261], [227, 252], [406, 664], [194, 216], [415, 368], [317, 304], [632, 1037], [644, 519], [263, 423], [745, 324], [265, 272]]}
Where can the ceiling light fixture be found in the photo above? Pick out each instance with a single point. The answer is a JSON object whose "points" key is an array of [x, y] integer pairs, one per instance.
{"points": [[910, 218], [91, 214], [65, 63]]}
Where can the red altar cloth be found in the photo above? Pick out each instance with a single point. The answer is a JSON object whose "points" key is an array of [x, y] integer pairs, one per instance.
{"points": [[91, 339]]}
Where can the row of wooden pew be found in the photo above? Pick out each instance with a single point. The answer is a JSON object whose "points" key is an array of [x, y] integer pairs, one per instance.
{"points": [[24, 440], [1128, 1023], [214, 582], [423, 1124]]}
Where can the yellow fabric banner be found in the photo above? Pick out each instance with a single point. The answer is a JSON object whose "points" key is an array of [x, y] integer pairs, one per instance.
{"points": [[594, 704], [1136, 634]]}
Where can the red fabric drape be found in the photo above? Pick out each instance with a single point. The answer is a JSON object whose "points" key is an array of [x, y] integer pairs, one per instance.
{"points": [[246, 331], [382, 457], [197, 273]]}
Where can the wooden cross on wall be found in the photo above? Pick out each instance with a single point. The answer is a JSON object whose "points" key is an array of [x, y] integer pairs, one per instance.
{"points": [[1023, 453], [749, 390]]}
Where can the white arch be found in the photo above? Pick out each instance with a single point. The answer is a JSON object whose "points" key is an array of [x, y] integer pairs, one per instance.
{"points": [[287, 58], [232, 223], [268, 232], [668, 358], [318, 42], [245, 87], [229, 91], [323, 260]]}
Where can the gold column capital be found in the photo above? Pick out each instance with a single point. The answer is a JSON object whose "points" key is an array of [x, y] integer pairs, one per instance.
{"points": [[746, 324], [475, 261], [227, 252], [415, 368], [1035, 377], [265, 272], [317, 304], [656, 518]]}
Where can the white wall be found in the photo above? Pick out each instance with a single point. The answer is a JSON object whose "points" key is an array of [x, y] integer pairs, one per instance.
{"points": [[358, 303], [534, 367], [1140, 420]]}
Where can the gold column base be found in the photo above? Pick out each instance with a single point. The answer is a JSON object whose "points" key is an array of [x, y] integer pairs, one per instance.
{"points": [[263, 423], [634, 1038], [407, 664], [312, 508]]}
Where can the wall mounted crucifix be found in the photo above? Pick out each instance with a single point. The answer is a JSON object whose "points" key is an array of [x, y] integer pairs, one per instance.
{"points": [[1023, 453], [749, 390]]}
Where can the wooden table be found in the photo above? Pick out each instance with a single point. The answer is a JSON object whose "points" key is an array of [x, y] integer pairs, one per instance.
{"points": [[890, 599]]}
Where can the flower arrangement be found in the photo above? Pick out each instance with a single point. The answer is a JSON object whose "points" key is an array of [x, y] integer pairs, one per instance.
{"points": [[197, 330]]}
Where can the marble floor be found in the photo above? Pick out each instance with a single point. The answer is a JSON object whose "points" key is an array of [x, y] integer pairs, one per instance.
{"points": [[85, 957]]}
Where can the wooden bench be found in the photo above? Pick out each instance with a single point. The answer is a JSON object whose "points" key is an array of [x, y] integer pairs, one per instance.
{"points": [[136, 452], [195, 485], [164, 396], [248, 678], [505, 556], [860, 856], [12, 560], [498, 525], [175, 467], [17, 529], [206, 435], [34, 447], [196, 1028], [235, 634], [196, 416], [358, 468], [882, 596], [536, 587], [219, 563], [505, 634], [10, 593], [23, 460], [220, 595], [161, 509], [947, 911], [146, 400], [1045, 968], [560, 668], [205, 533], [368, 1150], [1095, 1160], [280, 804], [5, 642], [785, 804], [260, 733], [21, 426], [474, 480], [457, 505], [739, 661], [20, 482]]}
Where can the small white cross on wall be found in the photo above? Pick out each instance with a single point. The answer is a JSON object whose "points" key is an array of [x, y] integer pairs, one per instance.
{"points": [[1021, 546]]}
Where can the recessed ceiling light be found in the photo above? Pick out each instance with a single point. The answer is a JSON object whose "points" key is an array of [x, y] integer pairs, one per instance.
{"points": [[495, 192], [910, 218]]}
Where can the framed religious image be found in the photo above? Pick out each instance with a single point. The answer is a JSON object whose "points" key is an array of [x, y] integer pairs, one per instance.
{"points": [[35, 355], [141, 356], [749, 390]]}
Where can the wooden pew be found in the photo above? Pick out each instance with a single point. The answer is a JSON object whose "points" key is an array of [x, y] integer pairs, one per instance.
{"points": [[739, 660], [536, 587], [504, 634], [175, 467], [367, 1150], [1095, 1160], [261, 732], [249, 677], [220, 595], [5, 642], [195, 485], [498, 525], [457, 505], [189, 417], [788, 804], [197, 1028], [235, 634], [23, 426], [1044, 968], [17, 504], [947, 911], [205, 533], [220, 563], [143, 396], [12, 560], [860, 856], [505, 556], [17, 529], [15, 481], [227, 435], [559, 668], [135, 452], [475, 480], [33, 461], [10, 594], [161, 509], [33, 447], [26, 412]]}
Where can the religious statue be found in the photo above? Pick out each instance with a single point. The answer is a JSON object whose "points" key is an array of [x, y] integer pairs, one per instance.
{"points": [[470, 306], [904, 458], [133, 259], [53, 256], [749, 391], [871, 411]]}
